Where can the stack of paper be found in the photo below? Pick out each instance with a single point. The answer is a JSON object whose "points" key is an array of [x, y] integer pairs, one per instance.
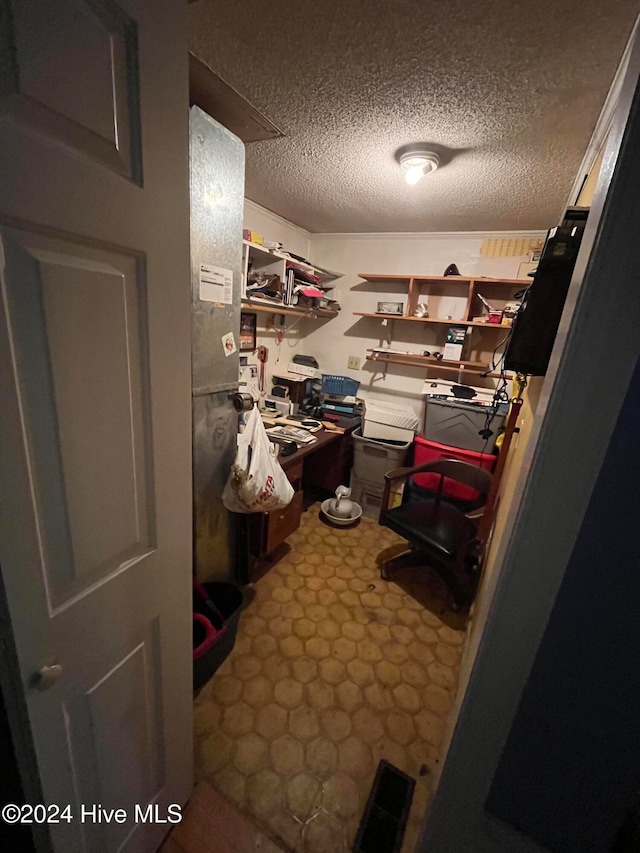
{"points": [[288, 433]]}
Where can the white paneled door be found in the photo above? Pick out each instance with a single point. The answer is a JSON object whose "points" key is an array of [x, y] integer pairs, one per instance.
{"points": [[95, 525]]}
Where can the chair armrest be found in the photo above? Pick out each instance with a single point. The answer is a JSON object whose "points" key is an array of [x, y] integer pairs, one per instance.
{"points": [[397, 474], [476, 513]]}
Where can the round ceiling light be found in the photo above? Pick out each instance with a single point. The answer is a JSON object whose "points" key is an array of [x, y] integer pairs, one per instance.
{"points": [[417, 163]]}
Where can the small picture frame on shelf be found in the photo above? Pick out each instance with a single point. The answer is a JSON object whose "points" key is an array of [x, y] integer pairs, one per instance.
{"points": [[248, 324], [390, 308]]}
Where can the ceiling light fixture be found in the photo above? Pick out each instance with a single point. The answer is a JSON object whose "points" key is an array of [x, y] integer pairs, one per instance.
{"points": [[417, 163]]}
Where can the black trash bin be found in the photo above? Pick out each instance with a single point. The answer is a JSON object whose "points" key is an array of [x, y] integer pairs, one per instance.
{"points": [[214, 633]]}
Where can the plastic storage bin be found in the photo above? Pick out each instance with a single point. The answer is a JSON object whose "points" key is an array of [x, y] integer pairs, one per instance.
{"points": [[458, 424], [373, 457], [427, 451], [367, 494], [211, 646], [343, 385]]}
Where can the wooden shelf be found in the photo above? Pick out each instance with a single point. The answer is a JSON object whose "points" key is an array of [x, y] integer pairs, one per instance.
{"points": [[377, 278], [437, 365], [427, 360], [374, 278], [433, 320], [267, 256], [456, 294], [509, 282], [288, 310]]}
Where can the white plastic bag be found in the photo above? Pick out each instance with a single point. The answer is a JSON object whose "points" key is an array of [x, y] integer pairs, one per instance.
{"points": [[256, 481]]}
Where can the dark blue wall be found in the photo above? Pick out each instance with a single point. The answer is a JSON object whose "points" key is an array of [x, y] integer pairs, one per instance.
{"points": [[571, 765]]}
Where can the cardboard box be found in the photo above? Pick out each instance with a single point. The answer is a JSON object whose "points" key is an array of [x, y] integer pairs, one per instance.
{"points": [[253, 237], [455, 341]]}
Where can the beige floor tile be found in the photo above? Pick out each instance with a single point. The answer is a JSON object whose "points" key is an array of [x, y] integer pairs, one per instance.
{"points": [[265, 793], [276, 667], [302, 795], [265, 646], [448, 655], [355, 758], [304, 723], [349, 696], [323, 833], [353, 631], [336, 724], [361, 672], [333, 670], [287, 828], [271, 721], [322, 695], [368, 725], [340, 796], [321, 757], [344, 650], [287, 755], [251, 754], [257, 692], [305, 669], [288, 693]]}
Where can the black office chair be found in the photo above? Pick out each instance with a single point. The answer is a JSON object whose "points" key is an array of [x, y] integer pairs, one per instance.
{"points": [[441, 536]]}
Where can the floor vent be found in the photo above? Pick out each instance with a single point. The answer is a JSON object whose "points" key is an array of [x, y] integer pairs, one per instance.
{"points": [[385, 817]]}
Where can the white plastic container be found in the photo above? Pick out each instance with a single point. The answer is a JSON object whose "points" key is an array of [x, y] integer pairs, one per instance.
{"points": [[389, 421]]}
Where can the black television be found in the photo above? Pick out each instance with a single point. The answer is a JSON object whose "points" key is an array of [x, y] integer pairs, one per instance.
{"points": [[536, 323]]}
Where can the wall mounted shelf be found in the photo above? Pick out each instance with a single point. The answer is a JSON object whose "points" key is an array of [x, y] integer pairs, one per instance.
{"points": [[477, 368], [288, 310], [261, 258], [447, 322], [457, 296], [448, 295]]}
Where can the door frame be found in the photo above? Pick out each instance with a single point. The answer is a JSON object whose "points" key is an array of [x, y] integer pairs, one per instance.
{"points": [[598, 330]]}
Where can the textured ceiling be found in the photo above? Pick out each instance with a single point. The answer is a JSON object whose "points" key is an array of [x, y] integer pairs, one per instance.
{"points": [[514, 89]]}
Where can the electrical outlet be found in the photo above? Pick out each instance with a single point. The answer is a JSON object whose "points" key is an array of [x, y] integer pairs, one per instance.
{"points": [[353, 363]]}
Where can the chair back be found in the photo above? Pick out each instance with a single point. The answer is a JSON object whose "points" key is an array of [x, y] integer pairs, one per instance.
{"points": [[462, 472]]}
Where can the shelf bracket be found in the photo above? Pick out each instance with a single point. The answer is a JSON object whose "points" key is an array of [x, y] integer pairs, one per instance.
{"points": [[388, 325]]}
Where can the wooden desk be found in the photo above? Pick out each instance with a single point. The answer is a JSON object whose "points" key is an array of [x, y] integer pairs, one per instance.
{"points": [[323, 438], [322, 465]]}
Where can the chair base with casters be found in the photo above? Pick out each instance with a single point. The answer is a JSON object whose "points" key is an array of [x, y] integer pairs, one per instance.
{"points": [[440, 536]]}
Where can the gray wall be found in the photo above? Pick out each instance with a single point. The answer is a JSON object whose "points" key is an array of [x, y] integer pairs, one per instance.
{"points": [[570, 769]]}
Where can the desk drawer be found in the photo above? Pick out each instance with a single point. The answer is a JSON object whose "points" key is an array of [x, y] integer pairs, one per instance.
{"points": [[294, 475], [283, 522]]}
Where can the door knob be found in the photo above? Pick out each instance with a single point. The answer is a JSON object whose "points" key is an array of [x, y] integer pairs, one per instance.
{"points": [[47, 676]]}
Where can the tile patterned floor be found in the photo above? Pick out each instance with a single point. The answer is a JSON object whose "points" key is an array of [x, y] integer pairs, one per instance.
{"points": [[333, 669]]}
